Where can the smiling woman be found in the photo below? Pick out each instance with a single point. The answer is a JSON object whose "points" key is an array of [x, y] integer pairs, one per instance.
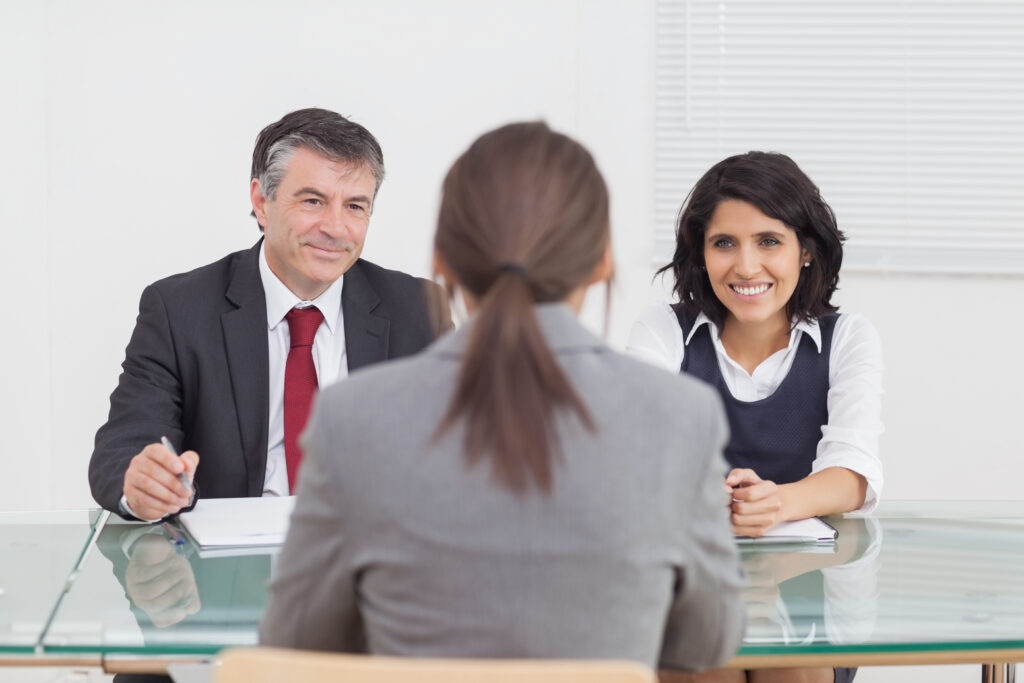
{"points": [[757, 260], [753, 263]]}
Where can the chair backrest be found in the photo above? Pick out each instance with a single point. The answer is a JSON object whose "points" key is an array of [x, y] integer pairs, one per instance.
{"points": [[269, 665]]}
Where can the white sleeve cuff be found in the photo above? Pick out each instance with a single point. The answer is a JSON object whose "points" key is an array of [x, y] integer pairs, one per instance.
{"points": [[125, 507]]}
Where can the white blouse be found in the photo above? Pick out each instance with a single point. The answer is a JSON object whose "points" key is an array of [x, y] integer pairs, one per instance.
{"points": [[850, 439]]}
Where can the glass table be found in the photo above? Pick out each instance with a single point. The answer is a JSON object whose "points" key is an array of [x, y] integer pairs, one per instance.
{"points": [[917, 583], [40, 552]]}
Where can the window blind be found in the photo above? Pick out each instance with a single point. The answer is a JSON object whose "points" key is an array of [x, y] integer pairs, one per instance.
{"points": [[908, 115]]}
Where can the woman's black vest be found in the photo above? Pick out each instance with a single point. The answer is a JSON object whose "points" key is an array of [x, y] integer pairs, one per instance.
{"points": [[776, 436]]}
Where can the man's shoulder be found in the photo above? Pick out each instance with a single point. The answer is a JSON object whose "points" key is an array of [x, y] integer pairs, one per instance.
{"points": [[387, 279], [216, 275], [399, 294]]}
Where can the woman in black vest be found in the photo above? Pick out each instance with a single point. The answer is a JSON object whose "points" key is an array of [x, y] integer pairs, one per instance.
{"points": [[757, 261]]}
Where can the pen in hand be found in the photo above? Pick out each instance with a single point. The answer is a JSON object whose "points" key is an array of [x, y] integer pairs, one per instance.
{"points": [[181, 475]]}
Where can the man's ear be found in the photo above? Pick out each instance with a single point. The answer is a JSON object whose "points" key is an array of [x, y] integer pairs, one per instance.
{"points": [[259, 202]]}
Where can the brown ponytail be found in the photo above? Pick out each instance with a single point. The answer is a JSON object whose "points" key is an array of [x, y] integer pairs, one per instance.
{"points": [[523, 220]]}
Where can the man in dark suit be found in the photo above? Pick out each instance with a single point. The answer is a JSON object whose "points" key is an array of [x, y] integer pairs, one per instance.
{"points": [[209, 364]]}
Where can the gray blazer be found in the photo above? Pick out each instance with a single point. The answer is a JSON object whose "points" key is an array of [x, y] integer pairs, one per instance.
{"points": [[397, 548]]}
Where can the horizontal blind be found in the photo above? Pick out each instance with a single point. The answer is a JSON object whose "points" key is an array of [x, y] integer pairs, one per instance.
{"points": [[908, 115]]}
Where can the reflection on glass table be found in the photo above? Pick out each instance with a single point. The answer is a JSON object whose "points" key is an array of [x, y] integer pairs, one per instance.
{"points": [[799, 594], [144, 593], [38, 551], [928, 582], [918, 577]]}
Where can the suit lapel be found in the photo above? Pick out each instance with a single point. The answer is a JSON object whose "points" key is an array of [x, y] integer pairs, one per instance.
{"points": [[245, 341], [366, 334]]}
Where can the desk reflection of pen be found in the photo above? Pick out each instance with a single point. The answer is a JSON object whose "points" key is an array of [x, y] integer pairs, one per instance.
{"points": [[181, 476], [176, 538]]}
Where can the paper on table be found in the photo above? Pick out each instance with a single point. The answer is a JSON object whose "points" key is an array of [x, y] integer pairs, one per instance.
{"points": [[811, 530], [234, 522]]}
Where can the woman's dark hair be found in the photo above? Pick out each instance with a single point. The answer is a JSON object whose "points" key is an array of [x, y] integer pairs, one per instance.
{"points": [[523, 220], [774, 184]]}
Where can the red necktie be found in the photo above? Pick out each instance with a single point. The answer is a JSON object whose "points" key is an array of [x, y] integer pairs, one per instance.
{"points": [[299, 384]]}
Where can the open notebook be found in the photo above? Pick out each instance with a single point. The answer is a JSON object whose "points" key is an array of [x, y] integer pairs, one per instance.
{"points": [[811, 530], [239, 522]]}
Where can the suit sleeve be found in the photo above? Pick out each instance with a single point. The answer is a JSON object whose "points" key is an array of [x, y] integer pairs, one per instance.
{"points": [[145, 405], [313, 593], [707, 618]]}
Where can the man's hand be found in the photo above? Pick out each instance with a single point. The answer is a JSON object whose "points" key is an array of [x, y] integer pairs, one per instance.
{"points": [[151, 484], [160, 581], [756, 505]]}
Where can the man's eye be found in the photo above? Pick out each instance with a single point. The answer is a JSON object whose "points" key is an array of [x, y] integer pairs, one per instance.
{"points": [[357, 207], [313, 201]]}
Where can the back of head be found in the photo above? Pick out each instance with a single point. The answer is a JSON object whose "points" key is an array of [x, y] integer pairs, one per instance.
{"points": [[320, 130], [523, 220], [778, 188]]}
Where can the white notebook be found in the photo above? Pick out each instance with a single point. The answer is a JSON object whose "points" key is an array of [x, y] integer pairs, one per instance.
{"points": [[238, 522], [811, 530]]}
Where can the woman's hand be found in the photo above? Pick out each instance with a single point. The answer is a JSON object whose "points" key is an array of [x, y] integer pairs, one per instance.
{"points": [[756, 505]]}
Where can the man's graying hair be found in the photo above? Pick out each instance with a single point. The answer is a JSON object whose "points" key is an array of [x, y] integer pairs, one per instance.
{"points": [[321, 131]]}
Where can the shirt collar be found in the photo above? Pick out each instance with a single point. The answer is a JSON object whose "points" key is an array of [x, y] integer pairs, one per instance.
{"points": [[810, 328], [280, 299]]}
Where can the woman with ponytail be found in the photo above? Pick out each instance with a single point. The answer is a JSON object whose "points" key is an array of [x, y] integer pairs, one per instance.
{"points": [[519, 489]]}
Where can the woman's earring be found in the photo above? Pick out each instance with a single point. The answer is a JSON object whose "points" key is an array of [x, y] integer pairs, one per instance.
{"points": [[807, 264]]}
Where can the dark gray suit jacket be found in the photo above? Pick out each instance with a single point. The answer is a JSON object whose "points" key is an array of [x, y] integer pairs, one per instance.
{"points": [[398, 548], [197, 369]]}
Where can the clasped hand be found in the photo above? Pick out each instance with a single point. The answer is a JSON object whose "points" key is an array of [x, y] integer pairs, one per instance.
{"points": [[151, 484], [754, 503]]}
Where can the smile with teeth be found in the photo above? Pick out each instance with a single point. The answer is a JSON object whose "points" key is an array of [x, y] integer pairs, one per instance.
{"points": [[751, 290]]}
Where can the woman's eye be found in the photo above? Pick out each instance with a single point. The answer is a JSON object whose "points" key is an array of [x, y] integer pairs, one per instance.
{"points": [[770, 242], [722, 244]]}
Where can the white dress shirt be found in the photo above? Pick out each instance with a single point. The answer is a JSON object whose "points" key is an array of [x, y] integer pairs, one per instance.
{"points": [[850, 439], [329, 357]]}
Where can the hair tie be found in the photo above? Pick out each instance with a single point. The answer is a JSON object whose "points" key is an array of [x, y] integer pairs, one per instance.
{"points": [[512, 267]]}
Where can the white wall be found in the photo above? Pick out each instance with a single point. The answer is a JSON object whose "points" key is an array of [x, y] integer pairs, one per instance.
{"points": [[129, 127], [129, 133]]}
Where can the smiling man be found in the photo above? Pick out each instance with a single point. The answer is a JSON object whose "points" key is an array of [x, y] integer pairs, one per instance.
{"points": [[225, 359]]}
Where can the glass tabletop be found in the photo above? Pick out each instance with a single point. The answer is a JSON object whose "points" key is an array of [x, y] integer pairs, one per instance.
{"points": [[914, 577], [39, 551], [140, 592]]}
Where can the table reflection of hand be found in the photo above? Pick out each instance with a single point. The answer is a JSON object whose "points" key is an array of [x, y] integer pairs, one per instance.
{"points": [[159, 580], [761, 594]]}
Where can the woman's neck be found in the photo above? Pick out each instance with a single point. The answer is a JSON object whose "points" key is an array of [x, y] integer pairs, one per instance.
{"points": [[749, 344]]}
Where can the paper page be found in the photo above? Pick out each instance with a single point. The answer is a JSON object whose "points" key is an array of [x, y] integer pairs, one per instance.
{"points": [[811, 530], [233, 522]]}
